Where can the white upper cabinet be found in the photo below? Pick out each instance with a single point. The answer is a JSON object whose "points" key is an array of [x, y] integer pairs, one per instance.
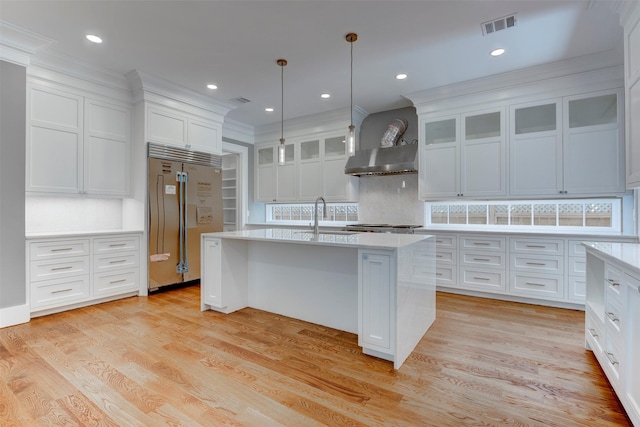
{"points": [[172, 127], [463, 155], [310, 170], [265, 187], [76, 144], [287, 188], [336, 186]]}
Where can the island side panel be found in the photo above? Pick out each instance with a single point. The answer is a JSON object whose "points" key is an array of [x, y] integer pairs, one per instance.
{"points": [[315, 283], [416, 296], [224, 279]]}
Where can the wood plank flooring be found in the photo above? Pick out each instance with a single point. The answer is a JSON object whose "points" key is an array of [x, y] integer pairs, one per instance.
{"points": [[158, 360]]}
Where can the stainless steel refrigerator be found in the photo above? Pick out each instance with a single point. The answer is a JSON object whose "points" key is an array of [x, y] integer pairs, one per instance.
{"points": [[185, 200]]}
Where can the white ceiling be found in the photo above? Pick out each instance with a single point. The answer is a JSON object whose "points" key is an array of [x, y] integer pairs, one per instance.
{"points": [[235, 44]]}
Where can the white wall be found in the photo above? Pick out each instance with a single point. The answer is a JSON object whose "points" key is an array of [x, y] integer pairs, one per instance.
{"points": [[56, 214]]}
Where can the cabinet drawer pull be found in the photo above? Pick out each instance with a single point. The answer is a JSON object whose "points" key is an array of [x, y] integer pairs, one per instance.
{"points": [[611, 358], [68, 267], [482, 259], [438, 256], [536, 263], [61, 291], [438, 241], [117, 281], [438, 274], [535, 284], [119, 261], [481, 244], [481, 278], [612, 317], [61, 249], [593, 332], [613, 282], [117, 245], [536, 246]]}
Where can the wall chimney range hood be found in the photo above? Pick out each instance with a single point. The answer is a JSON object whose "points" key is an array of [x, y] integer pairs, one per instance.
{"points": [[399, 159]]}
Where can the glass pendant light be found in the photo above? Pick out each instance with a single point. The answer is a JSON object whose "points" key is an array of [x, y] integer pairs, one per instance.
{"points": [[351, 136], [281, 151]]}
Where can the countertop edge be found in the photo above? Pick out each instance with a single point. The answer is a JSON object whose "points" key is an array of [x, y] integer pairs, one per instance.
{"points": [[71, 234]]}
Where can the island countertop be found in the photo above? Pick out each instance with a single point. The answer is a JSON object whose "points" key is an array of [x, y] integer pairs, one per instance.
{"points": [[342, 239], [627, 254]]}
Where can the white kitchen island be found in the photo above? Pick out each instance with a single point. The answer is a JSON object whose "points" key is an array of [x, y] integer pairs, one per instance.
{"points": [[377, 285]]}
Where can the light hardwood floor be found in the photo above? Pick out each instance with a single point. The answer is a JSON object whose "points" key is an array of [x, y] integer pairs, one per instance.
{"points": [[158, 360]]}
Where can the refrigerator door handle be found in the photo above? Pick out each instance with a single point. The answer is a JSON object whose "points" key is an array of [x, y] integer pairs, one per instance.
{"points": [[180, 179], [185, 227]]}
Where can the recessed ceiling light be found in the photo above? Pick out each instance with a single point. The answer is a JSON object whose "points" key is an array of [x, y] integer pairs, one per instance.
{"points": [[212, 86], [325, 96], [93, 38], [497, 52], [269, 109], [401, 76]]}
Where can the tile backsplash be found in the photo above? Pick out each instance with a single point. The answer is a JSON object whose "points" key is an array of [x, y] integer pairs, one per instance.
{"points": [[390, 199]]}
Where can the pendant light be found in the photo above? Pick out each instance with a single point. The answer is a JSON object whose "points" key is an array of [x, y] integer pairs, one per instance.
{"points": [[281, 152], [351, 136]]}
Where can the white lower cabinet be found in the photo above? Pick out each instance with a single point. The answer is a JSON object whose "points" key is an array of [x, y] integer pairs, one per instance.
{"points": [[212, 272], [540, 268], [63, 272], [377, 301], [612, 328]]}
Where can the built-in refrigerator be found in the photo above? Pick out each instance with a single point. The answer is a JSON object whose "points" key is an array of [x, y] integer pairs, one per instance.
{"points": [[185, 200]]}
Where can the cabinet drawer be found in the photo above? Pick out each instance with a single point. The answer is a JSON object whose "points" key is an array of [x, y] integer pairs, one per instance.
{"points": [[613, 359], [445, 256], [613, 283], [446, 275], [113, 244], [53, 293], [488, 281], [484, 243], [593, 332], [484, 259], [577, 267], [446, 241], [537, 246], [54, 268], [537, 285], [576, 248], [613, 319], [577, 288], [113, 283], [115, 261], [539, 263], [58, 249]]}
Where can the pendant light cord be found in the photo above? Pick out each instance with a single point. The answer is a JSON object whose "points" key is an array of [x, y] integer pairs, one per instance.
{"points": [[351, 83], [282, 64]]}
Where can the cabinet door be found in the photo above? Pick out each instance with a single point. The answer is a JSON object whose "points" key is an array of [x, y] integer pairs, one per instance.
{"points": [[204, 136], [632, 351], [593, 144], [632, 96], [535, 149], [265, 188], [54, 154], [310, 170], [286, 176], [107, 149], [483, 163], [337, 187], [166, 127], [211, 265], [376, 299], [439, 172]]}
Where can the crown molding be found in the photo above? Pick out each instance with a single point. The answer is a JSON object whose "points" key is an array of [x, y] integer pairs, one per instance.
{"points": [[312, 124], [18, 45], [606, 65], [155, 89], [238, 131]]}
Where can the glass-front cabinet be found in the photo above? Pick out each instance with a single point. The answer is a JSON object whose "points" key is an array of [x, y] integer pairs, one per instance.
{"points": [[463, 155]]}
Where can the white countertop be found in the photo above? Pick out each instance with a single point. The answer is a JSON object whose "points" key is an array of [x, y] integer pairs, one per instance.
{"points": [[356, 240], [624, 253], [86, 233]]}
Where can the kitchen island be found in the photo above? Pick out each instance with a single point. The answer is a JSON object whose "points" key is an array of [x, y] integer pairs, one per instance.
{"points": [[377, 285]]}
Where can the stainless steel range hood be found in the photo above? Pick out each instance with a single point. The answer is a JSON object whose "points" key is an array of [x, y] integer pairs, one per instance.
{"points": [[399, 159]]}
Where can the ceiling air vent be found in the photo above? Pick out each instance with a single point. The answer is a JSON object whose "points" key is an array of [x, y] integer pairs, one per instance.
{"points": [[241, 100], [499, 24]]}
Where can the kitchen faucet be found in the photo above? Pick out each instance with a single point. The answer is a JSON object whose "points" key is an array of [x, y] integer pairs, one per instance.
{"points": [[315, 215]]}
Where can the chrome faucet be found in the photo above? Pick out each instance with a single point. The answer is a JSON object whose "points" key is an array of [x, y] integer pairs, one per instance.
{"points": [[315, 214]]}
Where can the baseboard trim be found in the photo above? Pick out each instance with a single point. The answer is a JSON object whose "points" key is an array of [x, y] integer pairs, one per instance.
{"points": [[15, 315]]}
